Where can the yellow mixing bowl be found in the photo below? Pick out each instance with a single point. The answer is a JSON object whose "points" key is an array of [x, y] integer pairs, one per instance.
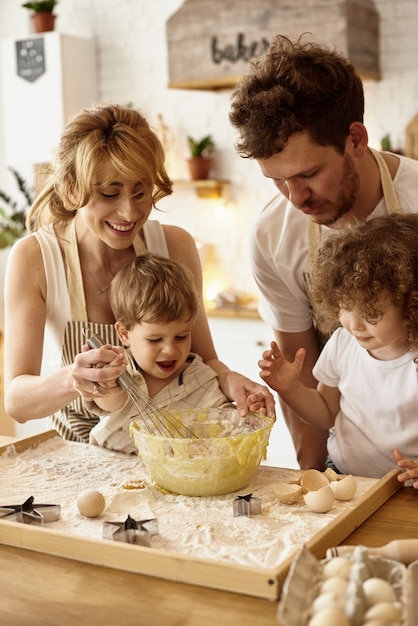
{"points": [[223, 458]]}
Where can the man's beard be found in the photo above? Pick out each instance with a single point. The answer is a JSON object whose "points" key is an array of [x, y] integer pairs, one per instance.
{"points": [[348, 190]]}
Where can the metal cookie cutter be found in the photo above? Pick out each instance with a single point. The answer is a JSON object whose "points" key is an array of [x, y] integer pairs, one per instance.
{"points": [[131, 531], [30, 513], [247, 505]]}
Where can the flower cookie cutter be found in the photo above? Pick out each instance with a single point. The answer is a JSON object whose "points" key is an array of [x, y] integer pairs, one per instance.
{"points": [[30, 513]]}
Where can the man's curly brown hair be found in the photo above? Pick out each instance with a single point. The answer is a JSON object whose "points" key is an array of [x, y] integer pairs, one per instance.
{"points": [[359, 265], [296, 87]]}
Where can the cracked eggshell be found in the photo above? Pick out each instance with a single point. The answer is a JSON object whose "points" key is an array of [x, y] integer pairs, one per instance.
{"points": [[331, 474], [288, 493], [345, 488], [320, 501], [312, 480]]}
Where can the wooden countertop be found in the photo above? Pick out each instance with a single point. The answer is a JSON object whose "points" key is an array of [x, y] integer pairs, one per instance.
{"points": [[51, 590]]}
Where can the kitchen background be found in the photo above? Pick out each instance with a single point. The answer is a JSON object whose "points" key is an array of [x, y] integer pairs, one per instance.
{"points": [[124, 46]]}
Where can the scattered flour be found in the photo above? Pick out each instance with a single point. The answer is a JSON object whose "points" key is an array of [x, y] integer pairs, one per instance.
{"points": [[56, 471]]}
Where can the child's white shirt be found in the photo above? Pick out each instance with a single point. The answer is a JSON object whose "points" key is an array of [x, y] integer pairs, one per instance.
{"points": [[378, 408]]}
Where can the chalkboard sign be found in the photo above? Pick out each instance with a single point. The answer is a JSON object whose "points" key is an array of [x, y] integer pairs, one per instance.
{"points": [[30, 58]]}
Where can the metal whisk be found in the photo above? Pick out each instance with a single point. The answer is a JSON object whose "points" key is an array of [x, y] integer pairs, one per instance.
{"points": [[157, 421]]}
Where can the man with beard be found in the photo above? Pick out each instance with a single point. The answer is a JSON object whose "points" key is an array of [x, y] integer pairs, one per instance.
{"points": [[299, 114]]}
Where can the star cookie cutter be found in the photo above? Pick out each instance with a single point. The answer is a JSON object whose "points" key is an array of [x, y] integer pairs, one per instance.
{"points": [[131, 531], [30, 513], [246, 505]]}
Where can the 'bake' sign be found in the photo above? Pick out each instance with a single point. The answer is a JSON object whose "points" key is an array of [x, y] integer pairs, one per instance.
{"points": [[212, 42]]}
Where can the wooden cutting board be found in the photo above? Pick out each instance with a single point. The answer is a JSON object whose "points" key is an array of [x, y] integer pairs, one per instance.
{"points": [[255, 581]]}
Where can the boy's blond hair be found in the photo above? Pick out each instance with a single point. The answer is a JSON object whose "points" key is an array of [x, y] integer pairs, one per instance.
{"points": [[153, 289]]}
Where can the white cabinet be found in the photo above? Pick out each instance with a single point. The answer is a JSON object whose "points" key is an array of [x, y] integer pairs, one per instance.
{"points": [[46, 78], [239, 343]]}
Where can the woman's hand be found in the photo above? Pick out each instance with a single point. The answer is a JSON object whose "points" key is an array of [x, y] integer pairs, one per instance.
{"points": [[95, 371], [409, 467]]}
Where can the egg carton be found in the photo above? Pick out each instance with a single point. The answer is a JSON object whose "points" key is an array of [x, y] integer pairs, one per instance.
{"points": [[306, 574]]}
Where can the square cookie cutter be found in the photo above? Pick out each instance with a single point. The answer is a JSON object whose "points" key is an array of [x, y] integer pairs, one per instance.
{"points": [[247, 505]]}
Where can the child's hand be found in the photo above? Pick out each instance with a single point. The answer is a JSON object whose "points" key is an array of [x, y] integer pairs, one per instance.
{"points": [[112, 384], [95, 372], [257, 404], [409, 466], [278, 373]]}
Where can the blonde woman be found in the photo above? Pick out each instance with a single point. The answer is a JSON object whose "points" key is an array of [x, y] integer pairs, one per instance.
{"points": [[91, 220]]}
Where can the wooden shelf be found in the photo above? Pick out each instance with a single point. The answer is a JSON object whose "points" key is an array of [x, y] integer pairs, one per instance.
{"points": [[209, 188], [234, 311]]}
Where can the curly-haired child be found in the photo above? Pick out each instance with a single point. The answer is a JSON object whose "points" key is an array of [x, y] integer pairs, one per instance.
{"points": [[367, 278]]}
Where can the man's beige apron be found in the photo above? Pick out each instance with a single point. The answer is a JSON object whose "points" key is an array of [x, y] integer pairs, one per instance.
{"points": [[314, 236]]}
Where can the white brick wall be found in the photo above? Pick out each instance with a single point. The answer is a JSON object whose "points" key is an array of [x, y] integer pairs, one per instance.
{"points": [[132, 67]]}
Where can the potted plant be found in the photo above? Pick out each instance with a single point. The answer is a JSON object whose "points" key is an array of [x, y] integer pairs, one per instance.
{"points": [[200, 161], [43, 18], [12, 213], [12, 227]]}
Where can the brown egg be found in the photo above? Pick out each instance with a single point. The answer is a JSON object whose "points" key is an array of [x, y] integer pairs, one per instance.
{"points": [[90, 502]]}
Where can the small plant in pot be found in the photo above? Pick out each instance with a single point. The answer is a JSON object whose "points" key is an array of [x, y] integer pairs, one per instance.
{"points": [[13, 212], [43, 18], [200, 161], [12, 227]]}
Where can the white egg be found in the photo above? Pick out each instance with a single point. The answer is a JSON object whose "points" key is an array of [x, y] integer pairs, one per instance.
{"points": [[388, 612], [327, 600], [329, 617], [338, 566], [320, 501], [335, 585], [90, 502], [378, 590]]}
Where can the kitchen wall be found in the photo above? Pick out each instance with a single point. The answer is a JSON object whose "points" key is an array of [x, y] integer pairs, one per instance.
{"points": [[132, 67]]}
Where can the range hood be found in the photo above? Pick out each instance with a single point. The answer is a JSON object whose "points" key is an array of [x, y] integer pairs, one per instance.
{"points": [[211, 42]]}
